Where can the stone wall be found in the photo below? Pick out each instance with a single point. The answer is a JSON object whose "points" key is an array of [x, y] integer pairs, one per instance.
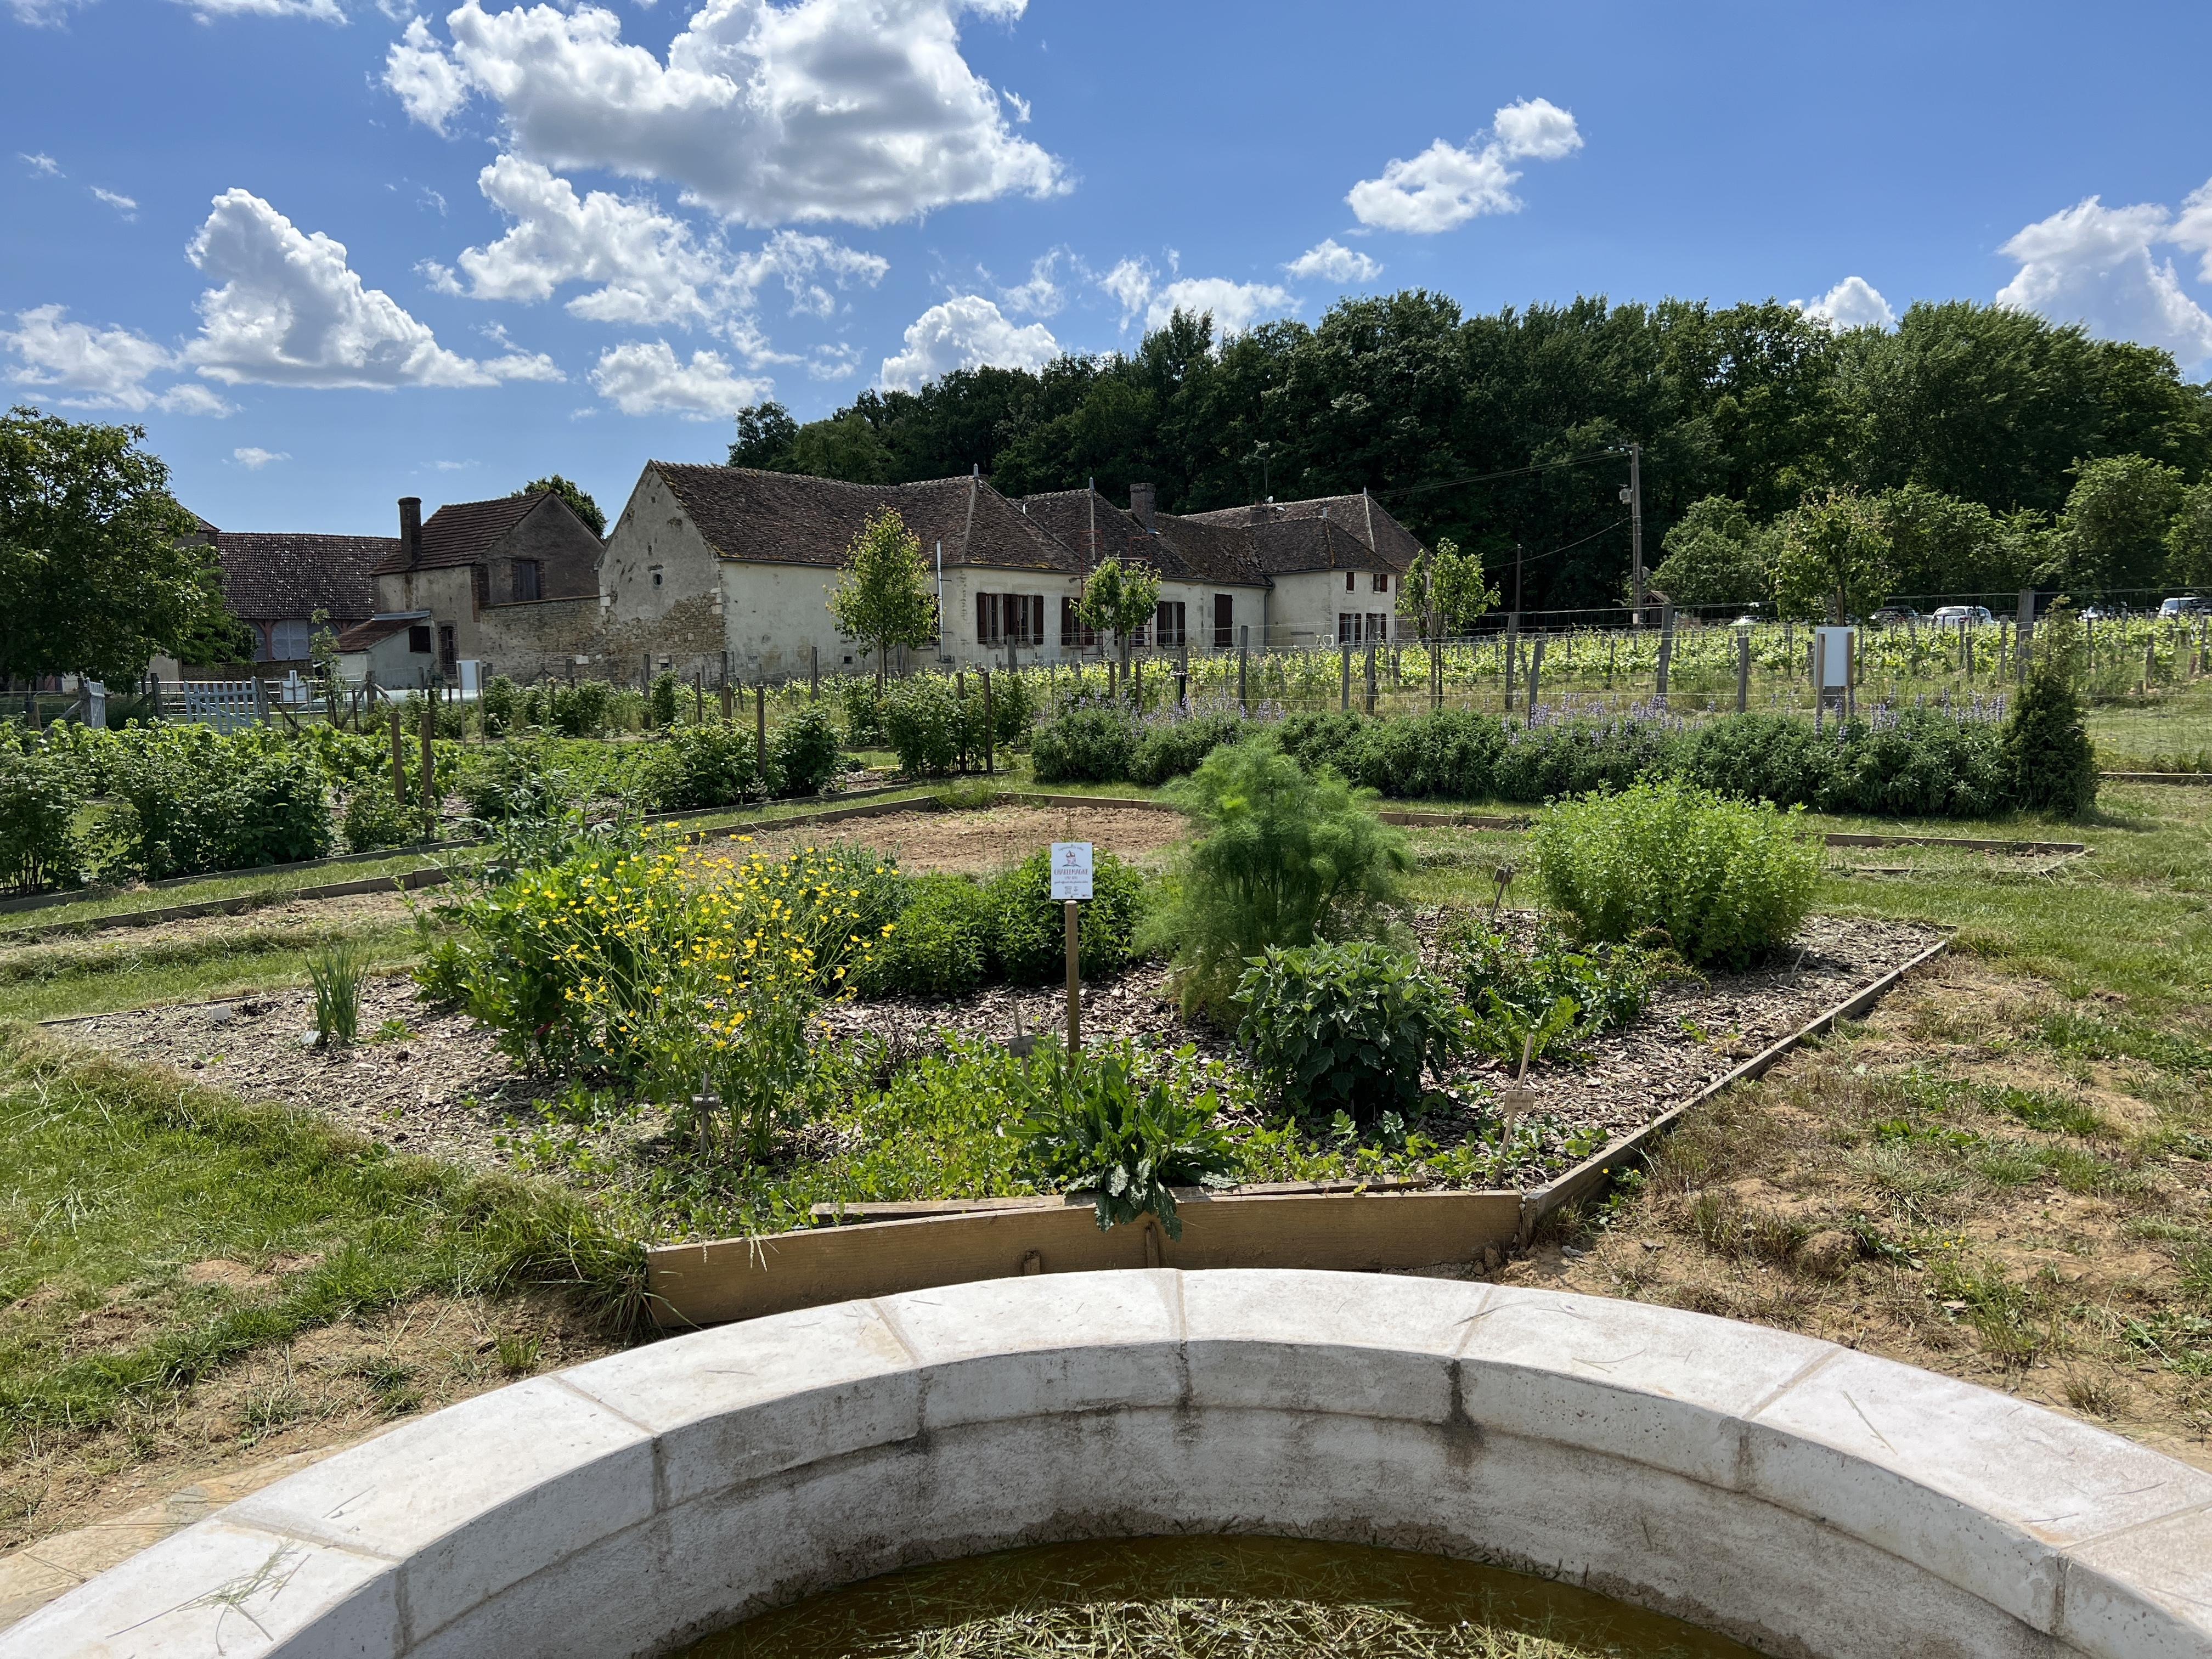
{"points": [[1810, 1501], [529, 642]]}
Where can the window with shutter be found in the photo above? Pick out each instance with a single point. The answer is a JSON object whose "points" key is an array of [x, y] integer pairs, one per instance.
{"points": [[525, 580], [1225, 621]]}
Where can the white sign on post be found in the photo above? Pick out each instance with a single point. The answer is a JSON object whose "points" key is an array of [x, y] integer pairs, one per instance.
{"points": [[1833, 647], [1071, 869]]}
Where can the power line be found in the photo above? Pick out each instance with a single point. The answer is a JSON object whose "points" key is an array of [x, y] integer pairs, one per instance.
{"points": [[1510, 472]]}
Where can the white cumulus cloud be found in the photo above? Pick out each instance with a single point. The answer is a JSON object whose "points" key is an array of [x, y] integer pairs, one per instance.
{"points": [[100, 367], [2093, 265], [1234, 307], [861, 110], [966, 331], [1331, 262], [122, 204], [1041, 295], [254, 458], [645, 377], [291, 311], [1852, 303], [42, 165], [322, 11], [2193, 230], [1445, 185]]}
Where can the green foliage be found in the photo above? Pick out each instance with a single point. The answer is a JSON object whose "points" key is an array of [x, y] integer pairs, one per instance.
{"points": [[1833, 558], [1028, 926], [695, 767], [2046, 744], [1719, 880], [515, 780], [803, 755], [941, 945], [660, 701], [1939, 543], [336, 972], [1716, 556], [1098, 1124], [861, 707], [499, 705], [1281, 852], [100, 567], [373, 820], [1089, 744], [216, 639], [925, 724], [1346, 1028], [1121, 599], [1515, 992], [40, 795], [2118, 517], [2188, 539], [578, 499], [883, 598], [449, 719], [1170, 748], [189, 801], [1450, 583], [1015, 702], [765, 432], [582, 710]]}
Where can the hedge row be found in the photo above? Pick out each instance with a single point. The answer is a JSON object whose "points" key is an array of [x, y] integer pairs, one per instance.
{"points": [[1917, 763]]}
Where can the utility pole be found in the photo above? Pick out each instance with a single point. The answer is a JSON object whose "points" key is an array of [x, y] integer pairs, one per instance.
{"points": [[1634, 496]]}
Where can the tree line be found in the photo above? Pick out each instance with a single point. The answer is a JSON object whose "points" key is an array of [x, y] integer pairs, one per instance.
{"points": [[1961, 441]]}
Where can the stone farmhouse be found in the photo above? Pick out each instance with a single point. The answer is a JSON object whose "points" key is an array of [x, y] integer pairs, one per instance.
{"points": [[275, 582], [510, 583], [722, 570]]}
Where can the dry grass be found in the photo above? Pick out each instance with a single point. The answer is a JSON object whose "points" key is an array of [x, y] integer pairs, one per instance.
{"points": [[1986, 1180]]}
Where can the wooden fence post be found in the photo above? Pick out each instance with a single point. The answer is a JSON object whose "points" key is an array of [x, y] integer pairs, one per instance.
{"points": [[1512, 654], [1344, 698], [429, 767], [760, 727], [1535, 675], [990, 735], [398, 758]]}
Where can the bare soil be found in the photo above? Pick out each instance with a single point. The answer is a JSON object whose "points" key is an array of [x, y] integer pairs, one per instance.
{"points": [[978, 843]]}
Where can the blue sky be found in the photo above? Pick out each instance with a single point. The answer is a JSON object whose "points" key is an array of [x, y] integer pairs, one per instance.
{"points": [[575, 238]]}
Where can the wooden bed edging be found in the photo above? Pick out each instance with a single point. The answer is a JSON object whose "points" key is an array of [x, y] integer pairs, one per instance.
{"points": [[1596, 1172], [719, 1280]]}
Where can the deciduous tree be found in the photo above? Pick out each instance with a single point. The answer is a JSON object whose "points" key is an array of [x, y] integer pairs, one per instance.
{"points": [[1121, 597], [579, 500], [884, 598]]}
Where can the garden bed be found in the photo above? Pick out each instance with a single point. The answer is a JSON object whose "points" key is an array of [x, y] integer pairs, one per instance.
{"points": [[442, 1089]]}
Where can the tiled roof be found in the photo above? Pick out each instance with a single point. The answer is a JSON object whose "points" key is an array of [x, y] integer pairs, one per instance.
{"points": [[1182, 550], [269, 577], [789, 518], [461, 532], [361, 636], [1282, 533]]}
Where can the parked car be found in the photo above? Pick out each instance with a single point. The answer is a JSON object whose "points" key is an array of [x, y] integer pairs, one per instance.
{"points": [[1895, 615], [2188, 604], [2105, 613], [1967, 616]]}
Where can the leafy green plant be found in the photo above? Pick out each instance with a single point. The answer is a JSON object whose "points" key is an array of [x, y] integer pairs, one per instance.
{"points": [[1515, 995], [940, 944], [1717, 879], [373, 820], [336, 972], [695, 767], [1099, 1124], [39, 796], [515, 780], [1087, 744], [1345, 1027], [660, 701], [1171, 748], [924, 722], [1283, 855], [2046, 742], [498, 705], [1028, 927], [190, 801], [804, 756]]}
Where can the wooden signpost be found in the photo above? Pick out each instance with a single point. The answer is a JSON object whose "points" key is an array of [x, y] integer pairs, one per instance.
{"points": [[1071, 869]]}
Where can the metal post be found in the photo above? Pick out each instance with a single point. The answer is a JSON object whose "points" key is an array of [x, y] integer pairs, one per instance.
{"points": [[1819, 680], [1074, 979], [1512, 654]]}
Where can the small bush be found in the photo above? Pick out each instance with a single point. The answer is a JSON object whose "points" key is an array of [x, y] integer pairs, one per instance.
{"points": [[1028, 935], [190, 802], [1717, 879], [803, 755], [39, 796], [924, 724], [513, 782], [1101, 1125], [1087, 744], [1515, 995], [941, 944], [1346, 1028], [582, 710], [1174, 748], [373, 820], [499, 705], [863, 714], [1282, 853], [693, 768], [1014, 704], [660, 701], [2053, 766]]}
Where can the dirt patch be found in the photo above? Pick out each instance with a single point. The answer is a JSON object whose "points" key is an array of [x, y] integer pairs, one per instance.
{"points": [[97, 944], [332, 1386], [1943, 1187], [978, 843]]}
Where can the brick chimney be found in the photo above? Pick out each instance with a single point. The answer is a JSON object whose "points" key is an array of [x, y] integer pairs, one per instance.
{"points": [[1264, 512], [411, 527], [1140, 503]]}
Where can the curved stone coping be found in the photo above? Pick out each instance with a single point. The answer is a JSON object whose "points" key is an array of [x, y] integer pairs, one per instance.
{"points": [[1803, 1498]]}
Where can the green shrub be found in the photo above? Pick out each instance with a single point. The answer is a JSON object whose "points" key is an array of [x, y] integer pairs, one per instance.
{"points": [[449, 719], [941, 944], [1029, 931], [925, 725], [1174, 747], [499, 705], [1282, 853], [582, 710], [516, 780], [1717, 879], [190, 801], [1099, 1124], [1760, 757], [1346, 1028], [863, 714], [1515, 994], [1085, 744], [660, 701], [1014, 703], [693, 768], [2046, 744], [373, 820], [804, 756], [39, 796], [1924, 763]]}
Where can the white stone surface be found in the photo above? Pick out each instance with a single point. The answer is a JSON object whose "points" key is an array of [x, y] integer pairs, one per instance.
{"points": [[1808, 1500]]}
